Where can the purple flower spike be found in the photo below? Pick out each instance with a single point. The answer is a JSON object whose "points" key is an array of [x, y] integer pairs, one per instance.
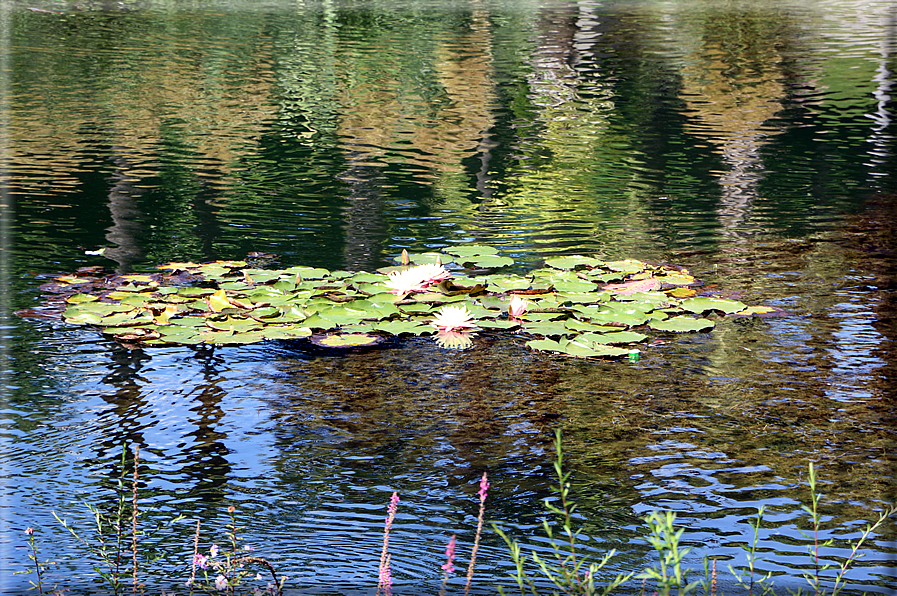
{"points": [[449, 566], [484, 487]]}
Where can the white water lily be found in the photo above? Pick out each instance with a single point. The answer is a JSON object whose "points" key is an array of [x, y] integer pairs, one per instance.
{"points": [[415, 279], [450, 318]]}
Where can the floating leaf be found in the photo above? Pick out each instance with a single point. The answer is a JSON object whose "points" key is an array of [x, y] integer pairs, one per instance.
{"points": [[632, 287], [285, 332], [547, 328], [400, 327], [467, 250], [232, 323], [218, 301], [305, 273], [544, 345], [180, 266], [760, 311], [682, 324], [581, 327], [498, 324], [682, 292], [485, 261], [347, 340], [180, 335], [631, 318], [81, 298], [618, 337], [626, 266], [575, 348], [678, 279], [504, 283], [572, 262], [702, 304]]}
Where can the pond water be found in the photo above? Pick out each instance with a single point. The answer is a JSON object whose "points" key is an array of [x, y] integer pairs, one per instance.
{"points": [[750, 141]]}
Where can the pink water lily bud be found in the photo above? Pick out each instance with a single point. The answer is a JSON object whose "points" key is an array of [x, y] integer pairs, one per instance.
{"points": [[518, 306]]}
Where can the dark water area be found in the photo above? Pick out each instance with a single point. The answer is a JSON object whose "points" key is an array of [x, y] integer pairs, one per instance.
{"points": [[750, 141]]}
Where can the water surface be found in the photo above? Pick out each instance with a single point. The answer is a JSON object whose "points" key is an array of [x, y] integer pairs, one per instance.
{"points": [[749, 141]]}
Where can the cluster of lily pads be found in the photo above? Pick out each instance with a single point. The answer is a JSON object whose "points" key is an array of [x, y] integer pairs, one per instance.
{"points": [[574, 305]]}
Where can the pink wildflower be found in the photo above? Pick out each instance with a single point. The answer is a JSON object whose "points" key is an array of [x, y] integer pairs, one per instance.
{"points": [[518, 306], [449, 566], [29, 530], [484, 486], [200, 561]]}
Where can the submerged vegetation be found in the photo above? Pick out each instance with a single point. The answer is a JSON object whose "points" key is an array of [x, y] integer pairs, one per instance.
{"points": [[122, 553], [574, 305]]}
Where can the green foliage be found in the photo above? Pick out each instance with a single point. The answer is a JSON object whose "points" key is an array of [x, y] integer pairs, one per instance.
{"points": [[569, 571], [576, 306]]}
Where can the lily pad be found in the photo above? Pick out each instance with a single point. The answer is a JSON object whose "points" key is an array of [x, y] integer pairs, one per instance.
{"points": [[548, 345], [546, 328], [485, 261], [618, 337], [682, 324], [347, 340], [572, 262], [402, 327], [467, 250], [702, 304]]}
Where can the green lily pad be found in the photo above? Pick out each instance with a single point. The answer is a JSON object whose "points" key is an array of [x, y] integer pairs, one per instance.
{"points": [[546, 328], [498, 323], [503, 283], [180, 335], [467, 250], [581, 327], [423, 258], [576, 348], [232, 323], [402, 327], [81, 298], [629, 318], [485, 261], [682, 324], [306, 273], [545, 345], [572, 262], [626, 266], [123, 319], [702, 304], [617, 337], [285, 332]]}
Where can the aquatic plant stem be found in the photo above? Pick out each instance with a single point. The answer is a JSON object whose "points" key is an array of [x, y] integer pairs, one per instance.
{"points": [[449, 566], [33, 556], [195, 553], [134, 518], [484, 487], [384, 582]]}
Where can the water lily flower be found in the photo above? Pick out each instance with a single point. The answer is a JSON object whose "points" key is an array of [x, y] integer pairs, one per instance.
{"points": [[518, 306], [450, 318], [415, 279]]}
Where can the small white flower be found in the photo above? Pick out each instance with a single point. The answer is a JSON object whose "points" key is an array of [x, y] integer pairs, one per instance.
{"points": [[220, 583]]}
